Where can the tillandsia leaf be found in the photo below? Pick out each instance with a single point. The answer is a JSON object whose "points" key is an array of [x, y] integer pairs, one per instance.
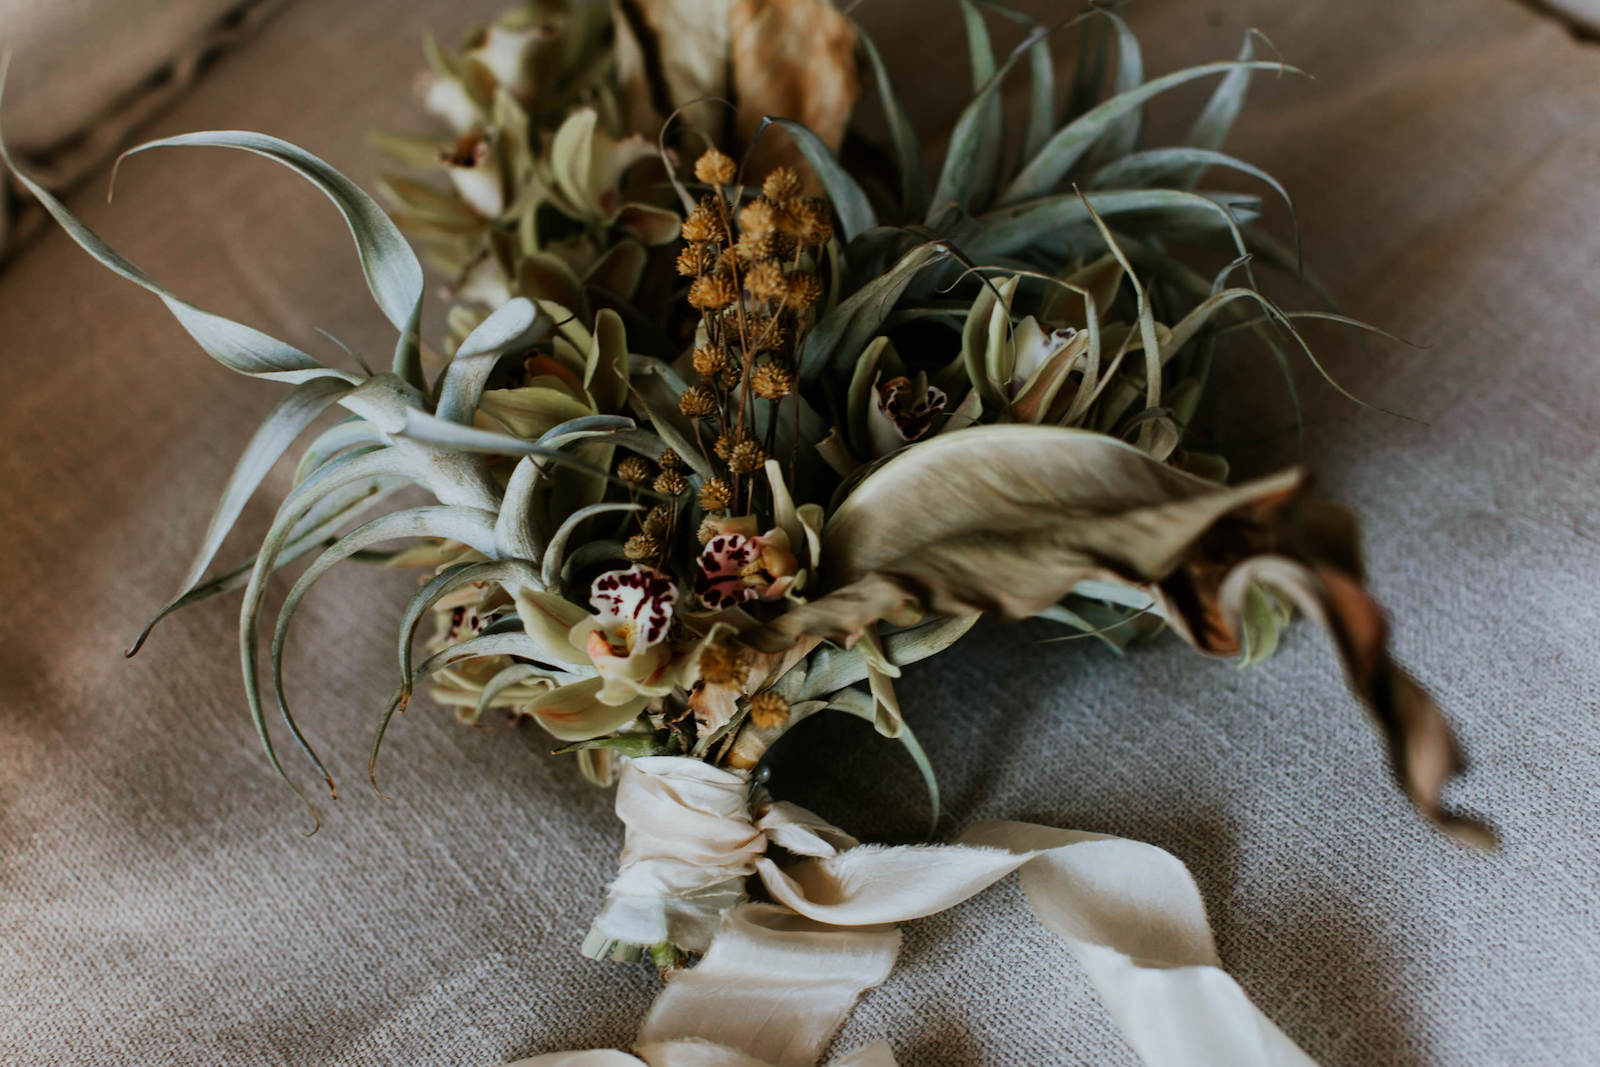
{"points": [[432, 430], [974, 140], [1139, 169], [496, 644], [516, 535], [334, 475], [236, 346], [850, 203], [506, 678], [1010, 230], [1149, 341], [847, 329], [467, 525], [350, 432], [325, 519], [980, 180], [506, 571], [515, 325], [555, 552], [902, 134], [1122, 137], [1215, 121], [656, 388], [391, 268], [1044, 171], [458, 524], [1041, 509], [1041, 84], [286, 422]]}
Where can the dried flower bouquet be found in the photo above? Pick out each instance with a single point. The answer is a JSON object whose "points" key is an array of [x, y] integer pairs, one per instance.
{"points": [[724, 427]]}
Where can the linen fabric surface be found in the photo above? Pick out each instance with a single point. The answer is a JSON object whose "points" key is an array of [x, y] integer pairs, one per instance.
{"points": [[158, 903]]}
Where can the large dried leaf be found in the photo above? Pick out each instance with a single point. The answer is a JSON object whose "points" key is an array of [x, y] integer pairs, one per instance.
{"points": [[1009, 519], [792, 59], [668, 53]]}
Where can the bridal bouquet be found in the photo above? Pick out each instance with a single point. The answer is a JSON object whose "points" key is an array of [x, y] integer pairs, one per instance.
{"points": [[738, 412]]}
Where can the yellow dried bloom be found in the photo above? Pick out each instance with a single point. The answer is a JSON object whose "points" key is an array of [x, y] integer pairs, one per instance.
{"points": [[769, 710], [633, 469], [715, 167], [658, 521], [757, 219], [641, 547], [697, 402], [765, 281], [745, 457], [670, 461], [813, 224], [697, 258], [772, 381], [708, 529], [805, 289], [671, 483], [724, 664], [704, 223], [782, 185], [728, 440], [712, 292], [709, 359], [731, 375], [716, 495]]}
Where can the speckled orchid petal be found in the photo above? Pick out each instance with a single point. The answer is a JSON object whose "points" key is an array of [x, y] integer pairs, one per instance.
{"points": [[474, 170], [903, 410], [627, 639]]}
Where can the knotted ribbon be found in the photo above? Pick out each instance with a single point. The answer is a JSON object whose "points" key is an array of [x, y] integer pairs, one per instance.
{"points": [[778, 980]]}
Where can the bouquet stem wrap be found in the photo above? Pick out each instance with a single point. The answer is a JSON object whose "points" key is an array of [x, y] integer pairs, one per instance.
{"points": [[779, 979]]}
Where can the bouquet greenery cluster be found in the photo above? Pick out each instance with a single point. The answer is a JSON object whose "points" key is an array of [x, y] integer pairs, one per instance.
{"points": [[735, 412]]}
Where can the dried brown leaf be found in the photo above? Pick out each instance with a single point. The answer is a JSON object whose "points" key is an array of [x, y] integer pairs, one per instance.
{"points": [[1008, 519]]}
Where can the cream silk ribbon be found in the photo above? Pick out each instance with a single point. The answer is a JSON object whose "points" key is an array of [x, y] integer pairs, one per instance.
{"points": [[778, 980]]}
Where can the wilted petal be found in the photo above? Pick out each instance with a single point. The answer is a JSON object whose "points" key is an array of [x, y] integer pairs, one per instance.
{"points": [[575, 713]]}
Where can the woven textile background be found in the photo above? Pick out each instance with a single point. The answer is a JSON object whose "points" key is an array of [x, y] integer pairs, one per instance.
{"points": [[158, 904]]}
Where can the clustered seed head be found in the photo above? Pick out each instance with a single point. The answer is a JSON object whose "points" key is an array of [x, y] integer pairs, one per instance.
{"points": [[670, 460], [697, 258], [641, 547], [765, 281], [698, 402], [716, 495], [709, 359], [723, 663], [712, 292], [708, 529], [728, 440], [772, 381], [633, 469], [730, 376], [671, 483], [745, 457], [804, 290], [812, 223], [658, 521], [757, 219], [769, 710], [715, 167], [782, 185], [704, 223]]}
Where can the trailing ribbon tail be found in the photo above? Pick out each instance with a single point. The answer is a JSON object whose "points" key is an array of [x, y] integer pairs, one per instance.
{"points": [[778, 980]]}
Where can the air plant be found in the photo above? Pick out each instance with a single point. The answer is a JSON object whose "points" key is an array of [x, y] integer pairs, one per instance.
{"points": [[679, 519]]}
